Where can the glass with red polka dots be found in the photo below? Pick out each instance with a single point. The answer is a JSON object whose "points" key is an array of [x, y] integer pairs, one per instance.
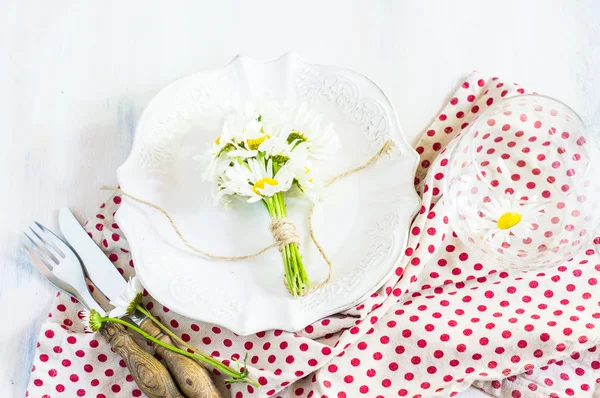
{"points": [[522, 186]]}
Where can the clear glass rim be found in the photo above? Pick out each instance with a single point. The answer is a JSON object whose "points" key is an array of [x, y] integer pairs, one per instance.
{"points": [[578, 119]]}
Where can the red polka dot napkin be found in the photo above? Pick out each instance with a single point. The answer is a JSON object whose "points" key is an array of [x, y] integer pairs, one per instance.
{"points": [[444, 321]]}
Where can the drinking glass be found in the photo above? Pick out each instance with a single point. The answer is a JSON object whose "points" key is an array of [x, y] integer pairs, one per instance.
{"points": [[522, 184]]}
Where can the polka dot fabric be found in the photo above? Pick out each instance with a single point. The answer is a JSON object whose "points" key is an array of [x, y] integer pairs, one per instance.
{"points": [[444, 321]]}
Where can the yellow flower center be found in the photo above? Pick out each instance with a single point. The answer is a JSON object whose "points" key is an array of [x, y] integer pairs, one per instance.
{"points": [[218, 141], [508, 220], [254, 143], [260, 184]]}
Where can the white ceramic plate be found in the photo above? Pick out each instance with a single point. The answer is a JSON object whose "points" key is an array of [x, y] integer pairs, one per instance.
{"points": [[363, 224]]}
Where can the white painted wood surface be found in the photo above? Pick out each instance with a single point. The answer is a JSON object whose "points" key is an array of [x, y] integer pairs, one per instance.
{"points": [[75, 76]]}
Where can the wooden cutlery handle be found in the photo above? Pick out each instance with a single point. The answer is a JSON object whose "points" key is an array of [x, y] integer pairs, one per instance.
{"points": [[191, 377], [149, 374]]}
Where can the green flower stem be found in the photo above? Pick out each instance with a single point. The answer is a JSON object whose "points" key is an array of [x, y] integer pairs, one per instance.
{"points": [[207, 358], [299, 278], [270, 207], [298, 258], [295, 286], [293, 266], [237, 376], [286, 268], [286, 249], [274, 213], [175, 337], [279, 197], [293, 271], [288, 272], [290, 257]]}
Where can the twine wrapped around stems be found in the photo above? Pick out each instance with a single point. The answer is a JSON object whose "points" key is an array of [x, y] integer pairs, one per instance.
{"points": [[284, 233], [283, 229]]}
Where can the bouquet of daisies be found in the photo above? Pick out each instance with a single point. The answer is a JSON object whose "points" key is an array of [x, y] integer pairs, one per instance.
{"points": [[264, 152]]}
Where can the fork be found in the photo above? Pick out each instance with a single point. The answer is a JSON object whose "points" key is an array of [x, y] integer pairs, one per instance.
{"points": [[59, 264]]}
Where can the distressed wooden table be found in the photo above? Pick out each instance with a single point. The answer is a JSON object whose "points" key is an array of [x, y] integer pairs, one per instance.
{"points": [[75, 77]]}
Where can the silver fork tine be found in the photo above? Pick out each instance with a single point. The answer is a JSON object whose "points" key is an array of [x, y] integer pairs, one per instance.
{"points": [[41, 249], [38, 261], [41, 264], [52, 240], [59, 264]]}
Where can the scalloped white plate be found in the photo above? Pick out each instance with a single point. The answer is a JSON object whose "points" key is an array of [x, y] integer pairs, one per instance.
{"points": [[363, 224]]}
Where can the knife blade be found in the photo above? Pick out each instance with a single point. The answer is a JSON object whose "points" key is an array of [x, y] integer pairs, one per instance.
{"points": [[193, 379], [97, 266]]}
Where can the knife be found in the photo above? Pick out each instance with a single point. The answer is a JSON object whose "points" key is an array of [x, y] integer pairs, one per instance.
{"points": [[191, 377]]}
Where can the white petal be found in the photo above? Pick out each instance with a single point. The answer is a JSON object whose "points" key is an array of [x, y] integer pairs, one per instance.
{"points": [[120, 302], [137, 284], [242, 153]]}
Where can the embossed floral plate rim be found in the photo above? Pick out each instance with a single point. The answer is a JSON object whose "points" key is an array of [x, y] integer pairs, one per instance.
{"points": [[130, 214]]}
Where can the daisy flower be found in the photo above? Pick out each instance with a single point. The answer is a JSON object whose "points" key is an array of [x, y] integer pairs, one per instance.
{"points": [[242, 132], [255, 179], [129, 299], [273, 115], [246, 143], [236, 181], [92, 320], [504, 218], [309, 184], [281, 149], [305, 176], [307, 126]]}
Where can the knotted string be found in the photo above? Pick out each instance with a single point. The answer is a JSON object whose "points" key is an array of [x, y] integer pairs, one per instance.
{"points": [[284, 233], [283, 229]]}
